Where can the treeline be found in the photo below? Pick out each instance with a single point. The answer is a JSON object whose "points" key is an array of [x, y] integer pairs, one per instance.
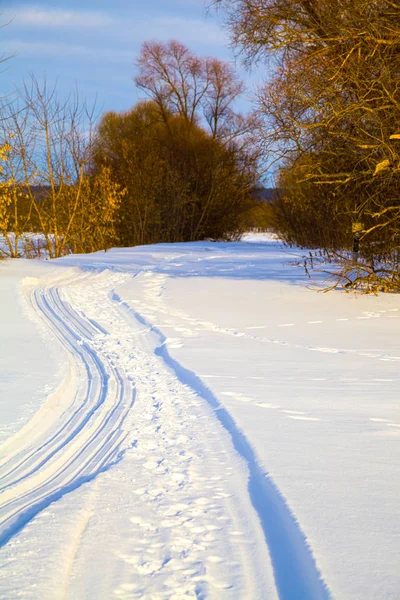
{"points": [[179, 166], [182, 165], [330, 114]]}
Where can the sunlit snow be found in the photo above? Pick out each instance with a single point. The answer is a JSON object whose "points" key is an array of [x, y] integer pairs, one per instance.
{"points": [[196, 421]]}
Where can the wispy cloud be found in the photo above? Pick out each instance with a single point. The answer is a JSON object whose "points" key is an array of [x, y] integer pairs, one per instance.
{"points": [[132, 28], [61, 50], [50, 18], [186, 30]]}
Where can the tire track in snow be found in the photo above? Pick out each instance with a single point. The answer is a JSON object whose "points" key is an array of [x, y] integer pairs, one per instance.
{"points": [[296, 574], [85, 437]]}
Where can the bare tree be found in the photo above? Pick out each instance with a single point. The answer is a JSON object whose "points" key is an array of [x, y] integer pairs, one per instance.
{"points": [[198, 89], [173, 77], [51, 148]]}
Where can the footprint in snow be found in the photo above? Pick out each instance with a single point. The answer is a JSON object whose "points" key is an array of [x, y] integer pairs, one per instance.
{"points": [[299, 415], [237, 396], [215, 559], [173, 343], [330, 350], [300, 418]]}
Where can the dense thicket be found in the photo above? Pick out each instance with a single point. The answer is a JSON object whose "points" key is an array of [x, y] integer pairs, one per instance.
{"points": [[331, 112], [182, 184]]}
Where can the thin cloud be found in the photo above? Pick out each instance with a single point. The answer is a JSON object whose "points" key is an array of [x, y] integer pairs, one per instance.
{"points": [[60, 50], [51, 18], [186, 30]]}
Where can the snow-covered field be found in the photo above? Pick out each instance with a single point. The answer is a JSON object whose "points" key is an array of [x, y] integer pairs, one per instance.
{"points": [[193, 421]]}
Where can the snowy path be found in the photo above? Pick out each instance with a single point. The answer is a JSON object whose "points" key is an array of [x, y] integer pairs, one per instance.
{"points": [[197, 452], [80, 433]]}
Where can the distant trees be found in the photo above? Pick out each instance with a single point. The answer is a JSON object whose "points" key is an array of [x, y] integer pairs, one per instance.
{"points": [[331, 113], [179, 166]]}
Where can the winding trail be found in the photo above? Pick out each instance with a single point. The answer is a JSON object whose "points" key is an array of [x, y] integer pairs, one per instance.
{"points": [[217, 521]]}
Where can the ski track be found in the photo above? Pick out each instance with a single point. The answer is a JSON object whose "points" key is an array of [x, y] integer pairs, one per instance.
{"points": [[87, 436], [92, 428]]}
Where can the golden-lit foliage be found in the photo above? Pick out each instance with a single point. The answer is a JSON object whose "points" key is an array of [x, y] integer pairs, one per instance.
{"points": [[46, 186], [5, 189], [331, 110]]}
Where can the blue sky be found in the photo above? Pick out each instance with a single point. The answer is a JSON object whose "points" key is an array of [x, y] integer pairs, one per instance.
{"points": [[93, 45]]}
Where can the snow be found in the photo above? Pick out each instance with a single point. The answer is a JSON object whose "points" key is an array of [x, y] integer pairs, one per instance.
{"points": [[212, 427], [29, 369]]}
